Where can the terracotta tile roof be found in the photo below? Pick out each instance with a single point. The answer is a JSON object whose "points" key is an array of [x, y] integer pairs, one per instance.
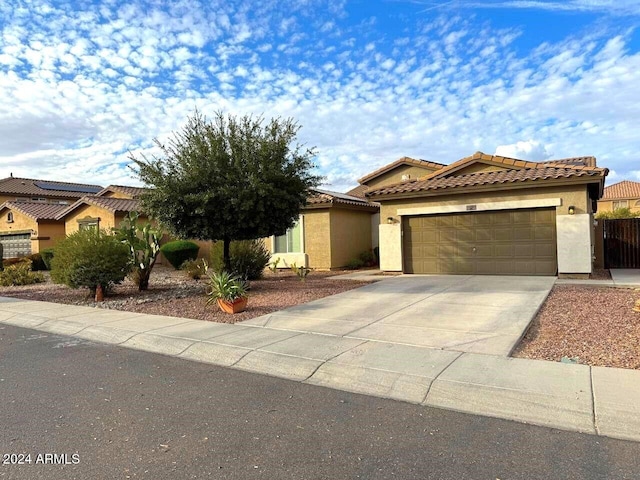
{"points": [[400, 161], [624, 189], [358, 191], [543, 172], [133, 192], [325, 197], [49, 188], [35, 210], [108, 203], [576, 163]]}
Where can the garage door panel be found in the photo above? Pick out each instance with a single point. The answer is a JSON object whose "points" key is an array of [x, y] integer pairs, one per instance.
{"points": [[517, 242], [544, 232], [16, 245], [503, 234]]}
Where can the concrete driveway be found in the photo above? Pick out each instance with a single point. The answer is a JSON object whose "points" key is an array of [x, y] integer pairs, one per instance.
{"points": [[480, 314]]}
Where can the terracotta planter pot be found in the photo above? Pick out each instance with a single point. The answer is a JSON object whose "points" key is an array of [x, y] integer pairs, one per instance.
{"points": [[237, 306]]}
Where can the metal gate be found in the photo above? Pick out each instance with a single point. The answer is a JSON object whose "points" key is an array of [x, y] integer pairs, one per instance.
{"points": [[622, 243]]}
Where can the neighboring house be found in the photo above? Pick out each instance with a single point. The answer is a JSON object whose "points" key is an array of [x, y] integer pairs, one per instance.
{"points": [[93, 212], [44, 191], [29, 227], [333, 229], [28, 209], [487, 214], [625, 194]]}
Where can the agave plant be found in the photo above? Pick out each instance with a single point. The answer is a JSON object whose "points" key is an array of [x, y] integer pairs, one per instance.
{"points": [[226, 287]]}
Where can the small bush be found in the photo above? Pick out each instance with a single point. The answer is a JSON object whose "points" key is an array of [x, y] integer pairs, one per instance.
{"points": [[249, 258], [88, 258], [624, 212], [179, 251], [367, 258], [354, 264], [47, 256], [20, 274], [7, 262], [195, 269], [37, 263]]}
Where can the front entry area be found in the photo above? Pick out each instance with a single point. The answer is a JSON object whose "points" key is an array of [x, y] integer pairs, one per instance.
{"points": [[504, 242]]}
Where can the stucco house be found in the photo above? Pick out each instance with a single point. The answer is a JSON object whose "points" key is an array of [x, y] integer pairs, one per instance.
{"points": [[29, 227], [333, 229], [624, 194], [28, 210], [487, 214]]}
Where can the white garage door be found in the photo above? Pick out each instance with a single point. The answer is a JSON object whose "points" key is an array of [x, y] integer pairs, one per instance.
{"points": [[16, 245]]}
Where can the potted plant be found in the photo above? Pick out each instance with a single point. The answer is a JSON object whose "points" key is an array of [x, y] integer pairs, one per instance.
{"points": [[229, 291]]}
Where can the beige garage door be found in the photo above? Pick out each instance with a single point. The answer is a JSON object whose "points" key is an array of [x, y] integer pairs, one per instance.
{"points": [[507, 242]]}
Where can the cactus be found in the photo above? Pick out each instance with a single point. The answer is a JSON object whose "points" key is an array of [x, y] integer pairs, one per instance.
{"points": [[144, 244]]}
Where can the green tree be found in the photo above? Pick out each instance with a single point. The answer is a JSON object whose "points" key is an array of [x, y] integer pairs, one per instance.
{"points": [[230, 178], [143, 242]]}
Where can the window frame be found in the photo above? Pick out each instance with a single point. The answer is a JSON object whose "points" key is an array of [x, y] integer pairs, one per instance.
{"points": [[299, 223]]}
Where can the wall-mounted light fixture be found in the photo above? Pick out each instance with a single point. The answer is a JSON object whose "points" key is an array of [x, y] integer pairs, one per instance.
{"points": [[390, 220], [572, 209]]}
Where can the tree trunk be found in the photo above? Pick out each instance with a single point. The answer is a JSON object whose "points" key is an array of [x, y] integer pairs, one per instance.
{"points": [[225, 255], [144, 281]]}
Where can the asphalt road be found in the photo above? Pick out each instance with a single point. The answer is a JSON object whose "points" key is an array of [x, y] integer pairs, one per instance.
{"points": [[130, 414]]}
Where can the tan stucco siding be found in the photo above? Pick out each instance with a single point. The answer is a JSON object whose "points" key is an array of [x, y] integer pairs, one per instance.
{"points": [[107, 218], [49, 233], [607, 205], [20, 223], [14, 197], [350, 235], [317, 238], [575, 195], [395, 175]]}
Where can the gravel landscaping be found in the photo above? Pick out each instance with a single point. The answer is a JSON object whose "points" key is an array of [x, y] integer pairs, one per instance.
{"points": [[172, 293], [592, 325]]}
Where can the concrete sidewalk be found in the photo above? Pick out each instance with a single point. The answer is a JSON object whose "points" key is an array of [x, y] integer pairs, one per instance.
{"points": [[596, 400]]}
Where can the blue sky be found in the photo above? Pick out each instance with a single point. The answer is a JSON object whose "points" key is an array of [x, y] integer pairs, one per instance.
{"points": [[83, 83]]}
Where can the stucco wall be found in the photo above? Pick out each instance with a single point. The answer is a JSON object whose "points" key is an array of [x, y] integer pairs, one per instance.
{"points": [[116, 195], [395, 175], [478, 167], [20, 222], [107, 218], [13, 197], [575, 195], [317, 238], [607, 205], [52, 229], [350, 235], [574, 243]]}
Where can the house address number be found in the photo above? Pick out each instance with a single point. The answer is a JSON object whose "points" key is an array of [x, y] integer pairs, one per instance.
{"points": [[471, 208]]}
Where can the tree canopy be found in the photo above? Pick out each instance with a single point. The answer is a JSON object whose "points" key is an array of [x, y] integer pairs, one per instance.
{"points": [[229, 178]]}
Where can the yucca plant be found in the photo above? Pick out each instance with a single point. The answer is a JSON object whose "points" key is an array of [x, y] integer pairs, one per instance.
{"points": [[226, 287]]}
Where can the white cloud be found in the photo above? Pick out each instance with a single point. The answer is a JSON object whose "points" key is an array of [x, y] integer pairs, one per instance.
{"points": [[80, 88], [525, 150]]}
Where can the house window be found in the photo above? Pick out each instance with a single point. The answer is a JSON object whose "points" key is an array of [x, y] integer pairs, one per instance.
{"points": [[89, 224], [10, 217], [620, 204], [290, 242]]}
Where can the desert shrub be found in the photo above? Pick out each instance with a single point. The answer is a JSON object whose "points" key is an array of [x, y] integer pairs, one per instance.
{"points": [[367, 258], [37, 263], [179, 251], [88, 258], [195, 269], [47, 256], [624, 212], [249, 258], [7, 262], [354, 264], [20, 274]]}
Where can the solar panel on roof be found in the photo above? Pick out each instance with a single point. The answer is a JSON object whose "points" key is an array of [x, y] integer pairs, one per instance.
{"points": [[65, 187]]}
